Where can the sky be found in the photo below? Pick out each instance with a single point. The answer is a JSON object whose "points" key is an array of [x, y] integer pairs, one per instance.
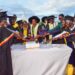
{"points": [[38, 7]]}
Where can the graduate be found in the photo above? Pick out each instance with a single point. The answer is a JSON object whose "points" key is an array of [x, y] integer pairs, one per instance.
{"points": [[51, 22], [12, 22], [57, 32], [13, 25], [43, 28], [70, 43], [20, 26], [26, 29], [23, 28], [5, 52], [34, 24], [61, 19], [6, 38], [59, 24]]}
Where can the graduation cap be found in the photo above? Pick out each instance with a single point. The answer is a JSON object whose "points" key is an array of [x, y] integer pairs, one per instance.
{"points": [[51, 17], [3, 15], [12, 17], [44, 18], [61, 15], [34, 17], [70, 18], [20, 22]]}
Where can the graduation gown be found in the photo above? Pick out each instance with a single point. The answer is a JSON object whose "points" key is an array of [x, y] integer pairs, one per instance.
{"points": [[70, 44], [5, 53], [41, 29]]}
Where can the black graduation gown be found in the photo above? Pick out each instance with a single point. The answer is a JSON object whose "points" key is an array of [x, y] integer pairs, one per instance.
{"points": [[5, 53], [41, 29], [70, 44]]}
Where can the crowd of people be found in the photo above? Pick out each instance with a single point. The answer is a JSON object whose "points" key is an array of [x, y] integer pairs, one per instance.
{"points": [[40, 30]]}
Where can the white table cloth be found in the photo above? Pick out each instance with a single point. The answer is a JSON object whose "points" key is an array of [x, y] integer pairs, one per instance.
{"points": [[46, 60]]}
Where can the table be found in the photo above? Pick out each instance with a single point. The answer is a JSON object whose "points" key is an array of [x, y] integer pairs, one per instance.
{"points": [[45, 60]]}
